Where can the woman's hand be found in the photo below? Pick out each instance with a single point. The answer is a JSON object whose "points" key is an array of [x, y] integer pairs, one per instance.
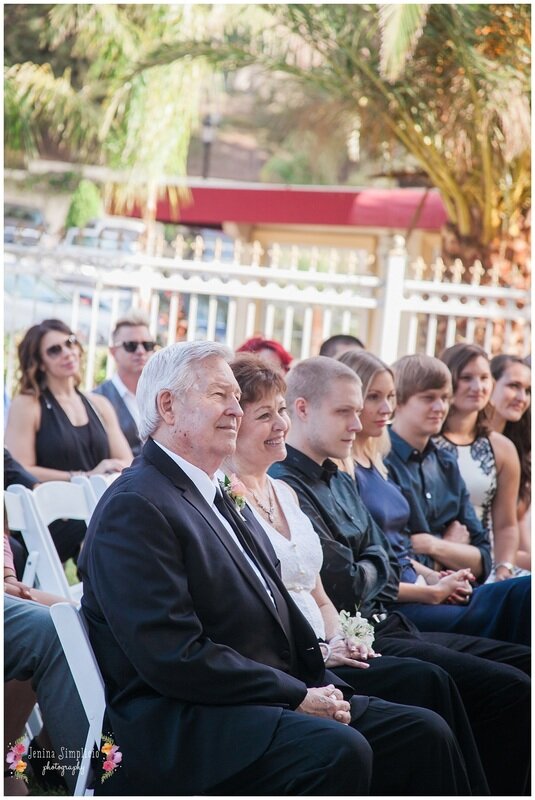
{"points": [[454, 587], [107, 466], [15, 588], [349, 653]]}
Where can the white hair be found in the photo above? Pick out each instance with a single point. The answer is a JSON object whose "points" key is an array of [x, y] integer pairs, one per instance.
{"points": [[172, 368]]}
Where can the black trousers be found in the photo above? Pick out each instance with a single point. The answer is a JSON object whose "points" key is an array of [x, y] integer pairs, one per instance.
{"points": [[413, 682], [492, 679], [414, 753]]}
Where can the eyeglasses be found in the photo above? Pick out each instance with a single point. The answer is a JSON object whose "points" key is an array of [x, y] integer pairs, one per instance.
{"points": [[131, 347], [55, 350]]}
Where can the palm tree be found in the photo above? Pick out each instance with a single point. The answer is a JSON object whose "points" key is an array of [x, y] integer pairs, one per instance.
{"points": [[448, 83], [82, 92]]}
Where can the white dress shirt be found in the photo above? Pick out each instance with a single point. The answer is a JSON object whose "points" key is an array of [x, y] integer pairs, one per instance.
{"points": [[208, 487], [127, 397]]}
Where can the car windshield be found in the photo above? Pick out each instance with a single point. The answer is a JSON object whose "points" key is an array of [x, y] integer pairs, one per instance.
{"points": [[23, 214]]}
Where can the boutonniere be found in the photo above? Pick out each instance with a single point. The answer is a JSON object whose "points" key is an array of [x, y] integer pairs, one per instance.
{"points": [[357, 628], [235, 490]]}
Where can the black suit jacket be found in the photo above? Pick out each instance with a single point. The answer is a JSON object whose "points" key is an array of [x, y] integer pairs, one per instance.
{"points": [[196, 660]]}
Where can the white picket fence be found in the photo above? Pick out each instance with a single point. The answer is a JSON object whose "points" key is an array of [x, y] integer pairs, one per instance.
{"points": [[299, 296]]}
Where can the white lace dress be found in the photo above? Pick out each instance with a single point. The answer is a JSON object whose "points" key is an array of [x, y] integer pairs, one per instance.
{"points": [[301, 556], [477, 465]]}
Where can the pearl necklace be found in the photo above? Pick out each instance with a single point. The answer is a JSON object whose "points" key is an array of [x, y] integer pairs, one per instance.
{"points": [[269, 511]]}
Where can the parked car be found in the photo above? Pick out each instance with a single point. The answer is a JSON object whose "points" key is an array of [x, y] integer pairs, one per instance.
{"points": [[23, 224], [113, 234]]}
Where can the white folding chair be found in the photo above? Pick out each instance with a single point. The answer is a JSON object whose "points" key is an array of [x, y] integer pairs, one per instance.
{"points": [[100, 483], [87, 678], [64, 500], [90, 493], [23, 516]]}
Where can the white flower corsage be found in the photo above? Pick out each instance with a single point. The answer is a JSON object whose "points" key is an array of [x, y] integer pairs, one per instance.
{"points": [[356, 628], [235, 490]]}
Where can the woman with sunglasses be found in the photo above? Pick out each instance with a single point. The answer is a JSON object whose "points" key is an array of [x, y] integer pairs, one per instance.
{"points": [[53, 429]]}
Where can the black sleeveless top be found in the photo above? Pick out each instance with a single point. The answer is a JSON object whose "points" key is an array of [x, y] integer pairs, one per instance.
{"points": [[61, 445]]}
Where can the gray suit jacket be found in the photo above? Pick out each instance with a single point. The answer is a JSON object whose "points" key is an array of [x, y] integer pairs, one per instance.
{"points": [[126, 421]]}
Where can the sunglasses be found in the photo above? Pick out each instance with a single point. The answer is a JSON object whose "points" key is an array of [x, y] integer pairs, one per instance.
{"points": [[55, 350], [131, 347]]}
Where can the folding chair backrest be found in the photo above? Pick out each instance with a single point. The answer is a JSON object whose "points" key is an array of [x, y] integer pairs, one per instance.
{"points": [[23, 516], [100, 483], [87, 678], [62, 500], [90, 492]]}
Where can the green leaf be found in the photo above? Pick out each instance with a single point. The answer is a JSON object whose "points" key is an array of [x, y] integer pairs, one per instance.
{"points": [[401, 27]]}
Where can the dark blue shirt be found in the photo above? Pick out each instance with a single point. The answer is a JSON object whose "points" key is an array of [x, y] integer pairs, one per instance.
{"points": [[359, 567], [390, 510], [436, 493]]}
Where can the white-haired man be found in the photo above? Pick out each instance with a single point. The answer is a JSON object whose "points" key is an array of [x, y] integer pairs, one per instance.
{"points": [[205, 657]]}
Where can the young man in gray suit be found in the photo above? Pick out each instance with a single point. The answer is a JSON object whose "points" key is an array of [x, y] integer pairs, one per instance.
{"points": [[131, 348]]}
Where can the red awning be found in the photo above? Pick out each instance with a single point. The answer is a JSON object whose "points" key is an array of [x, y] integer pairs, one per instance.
{"points": [[287, 205]]}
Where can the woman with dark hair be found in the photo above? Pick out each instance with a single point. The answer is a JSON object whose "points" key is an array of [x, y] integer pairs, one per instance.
{"points": [[53, 429], [270, 351], [510, 414], [487, 461]]}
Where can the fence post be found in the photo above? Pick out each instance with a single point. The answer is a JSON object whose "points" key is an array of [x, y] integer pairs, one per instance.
{"points": [[394, 277]]}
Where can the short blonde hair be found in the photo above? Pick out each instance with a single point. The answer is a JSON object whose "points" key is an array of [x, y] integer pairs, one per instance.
{"points": [[312, 379], [132, 319]]}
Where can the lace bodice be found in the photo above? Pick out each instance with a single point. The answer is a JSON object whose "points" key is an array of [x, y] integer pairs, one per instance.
{"points": [[477, 466], [301, 556]]}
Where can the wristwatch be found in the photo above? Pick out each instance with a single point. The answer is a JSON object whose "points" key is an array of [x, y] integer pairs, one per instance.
{"points": [[507, 565]]}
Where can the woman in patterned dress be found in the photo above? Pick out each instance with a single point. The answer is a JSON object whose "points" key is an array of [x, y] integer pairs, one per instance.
{"points": [[488, 461]]}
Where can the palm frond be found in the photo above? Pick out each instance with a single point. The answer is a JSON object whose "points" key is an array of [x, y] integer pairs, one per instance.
{"points": [[47, 101], [401, 27]]}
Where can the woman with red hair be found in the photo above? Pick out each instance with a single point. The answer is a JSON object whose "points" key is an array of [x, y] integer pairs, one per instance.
{"points": [[270, 351]]}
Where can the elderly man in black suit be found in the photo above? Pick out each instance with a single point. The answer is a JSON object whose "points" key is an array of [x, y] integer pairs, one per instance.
{"points": [[215, 682]]}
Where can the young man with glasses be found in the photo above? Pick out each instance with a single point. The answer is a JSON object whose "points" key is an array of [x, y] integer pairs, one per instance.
{"points": [[131, 349]]}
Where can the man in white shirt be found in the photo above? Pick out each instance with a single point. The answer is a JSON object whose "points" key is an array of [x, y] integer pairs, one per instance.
{"points": [[132, 346]]}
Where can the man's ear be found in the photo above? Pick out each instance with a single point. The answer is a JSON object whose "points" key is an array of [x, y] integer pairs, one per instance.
{"points": [[164, 404], [301, 408]]}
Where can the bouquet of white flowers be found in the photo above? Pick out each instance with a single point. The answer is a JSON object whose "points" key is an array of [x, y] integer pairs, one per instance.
{"points": [[356, 628]]}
